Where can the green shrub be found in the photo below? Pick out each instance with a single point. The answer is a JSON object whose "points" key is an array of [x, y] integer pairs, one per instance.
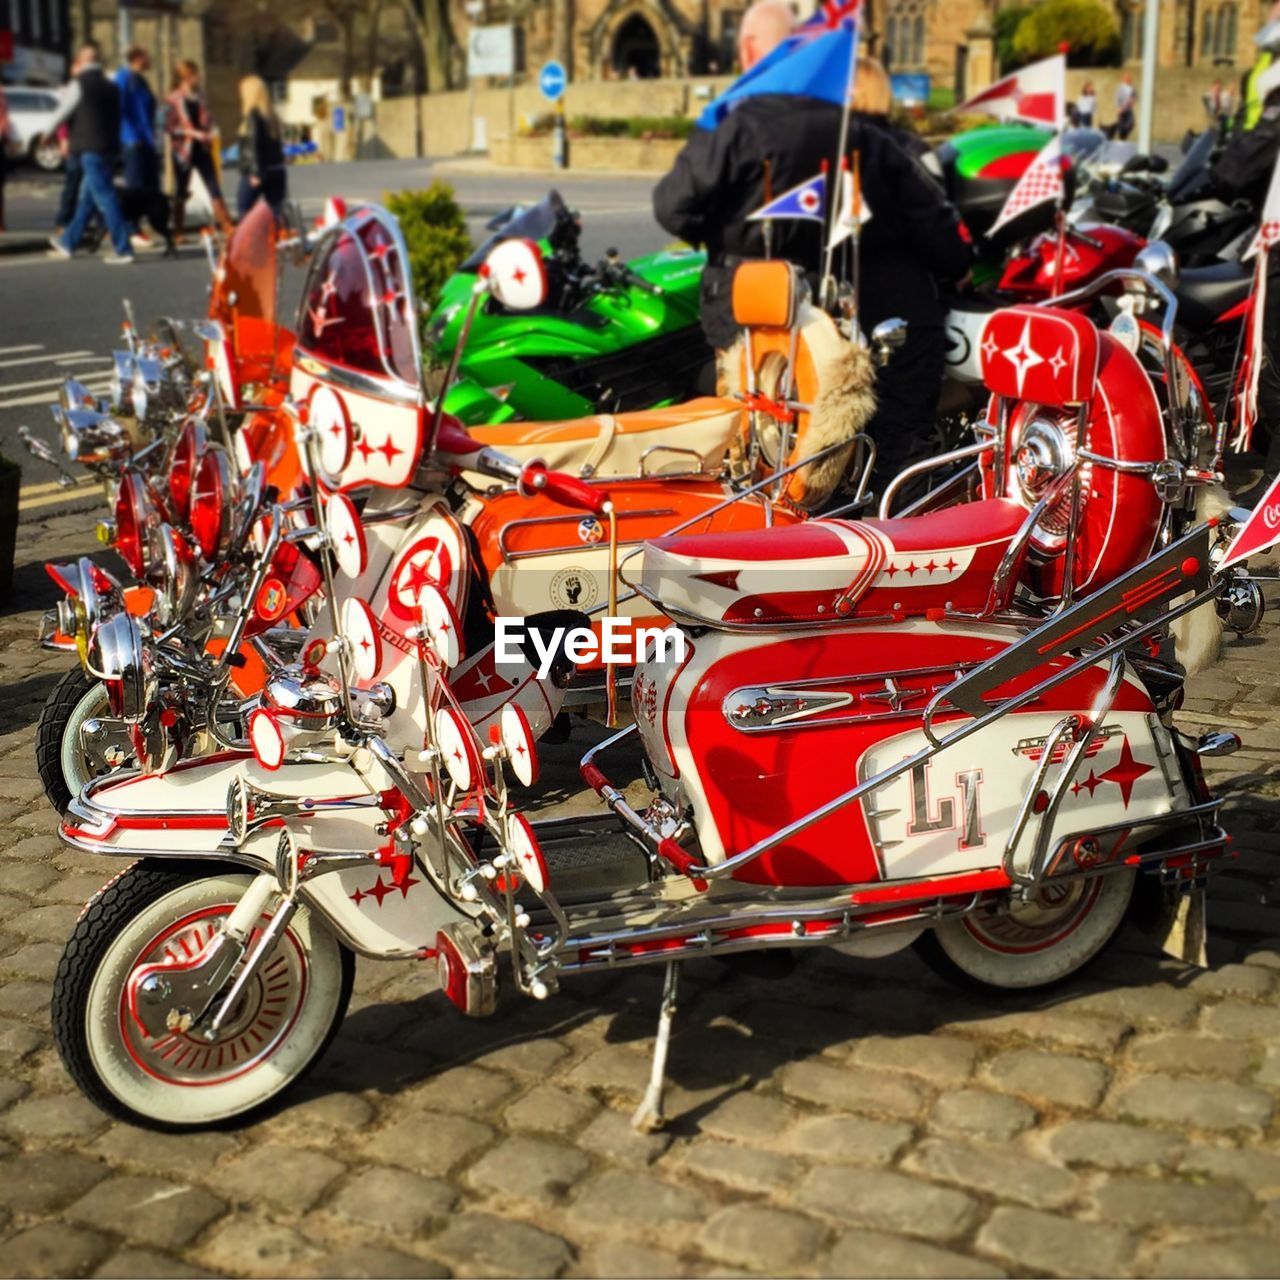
{"points": [[436, 234], [1087, 26], [679, 127]]}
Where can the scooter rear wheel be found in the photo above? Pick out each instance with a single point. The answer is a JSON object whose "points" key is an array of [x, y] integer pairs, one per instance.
{"points": [[1035, 945], [275, 1035]]}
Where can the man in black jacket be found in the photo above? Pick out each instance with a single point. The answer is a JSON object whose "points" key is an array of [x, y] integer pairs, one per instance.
{"points": [[912, 238], [92, 105]]}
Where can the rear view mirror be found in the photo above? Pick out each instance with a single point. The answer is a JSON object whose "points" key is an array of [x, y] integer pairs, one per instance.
{"points": [[516, 275], [886, 338]]}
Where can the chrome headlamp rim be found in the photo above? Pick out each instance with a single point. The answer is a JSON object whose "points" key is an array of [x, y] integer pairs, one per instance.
{"points": [[121, 657]]}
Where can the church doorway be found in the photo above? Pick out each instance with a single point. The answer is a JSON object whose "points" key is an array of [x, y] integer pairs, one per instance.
{"points": [[636, 52]]}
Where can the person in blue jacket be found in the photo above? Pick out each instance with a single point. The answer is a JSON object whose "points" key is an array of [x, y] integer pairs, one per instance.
{"points": [[138, 122]]}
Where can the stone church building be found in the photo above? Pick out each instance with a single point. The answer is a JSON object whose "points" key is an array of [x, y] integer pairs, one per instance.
{"points": [[644, 38]]}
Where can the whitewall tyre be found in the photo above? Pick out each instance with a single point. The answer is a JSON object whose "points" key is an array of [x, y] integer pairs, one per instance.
{"points": [[1037, 944], [278, 1032]]}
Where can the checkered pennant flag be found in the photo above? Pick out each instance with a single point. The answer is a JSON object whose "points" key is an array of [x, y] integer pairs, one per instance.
{"points": [[1041, 182]]}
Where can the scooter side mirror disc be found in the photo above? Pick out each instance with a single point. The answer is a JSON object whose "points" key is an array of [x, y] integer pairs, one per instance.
{"points": [[327, 417], [441, 625], [346, 535], [458, 748], [266, 739], [523, 845], [518, 743], [361, 629]]}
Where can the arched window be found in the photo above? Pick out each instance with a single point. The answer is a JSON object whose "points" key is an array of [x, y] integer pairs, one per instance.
{"points": [[1224, 41], [1206, 34], [1131, 34], [904, 33]]}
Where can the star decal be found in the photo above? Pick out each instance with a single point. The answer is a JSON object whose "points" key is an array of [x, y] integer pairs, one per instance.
{"points": [[365, 449], [1090, 784], [1057, 363], [1023, 357], [379, 891], [389, 450], [912, 569], [989, 349], [1126, 772], [891, 571], [930, 567], [951, 565]]}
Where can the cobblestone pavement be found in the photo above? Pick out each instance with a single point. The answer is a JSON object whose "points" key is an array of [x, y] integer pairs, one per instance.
{"points": [[853, 1119]]}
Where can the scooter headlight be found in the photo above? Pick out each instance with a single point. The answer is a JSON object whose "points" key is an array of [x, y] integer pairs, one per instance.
{"points": [[118, 657], [188, 451]]}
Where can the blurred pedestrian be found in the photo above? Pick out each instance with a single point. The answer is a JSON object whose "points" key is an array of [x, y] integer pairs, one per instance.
{"points": [[262, 168], [1126, 103], [190, 128], [1086, 106], [91, 109], [138, 125]]}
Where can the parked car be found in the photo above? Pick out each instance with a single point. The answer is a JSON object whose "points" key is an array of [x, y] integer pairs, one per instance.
{"points": [[31, 110]]}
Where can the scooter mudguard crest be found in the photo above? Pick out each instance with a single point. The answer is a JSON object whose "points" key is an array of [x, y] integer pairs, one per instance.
{"points": [[378, 910]]}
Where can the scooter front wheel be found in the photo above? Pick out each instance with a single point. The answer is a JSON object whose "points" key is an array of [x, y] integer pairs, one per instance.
{"points": [[180, 1080], [1032, 945], [61, 761]]}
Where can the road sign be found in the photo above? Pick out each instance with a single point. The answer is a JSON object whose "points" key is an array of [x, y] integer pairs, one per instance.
{"points": [[552, 80], [491, 51]]}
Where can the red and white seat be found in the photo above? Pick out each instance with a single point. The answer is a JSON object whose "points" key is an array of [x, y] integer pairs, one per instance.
{"points": [[825, 570]]}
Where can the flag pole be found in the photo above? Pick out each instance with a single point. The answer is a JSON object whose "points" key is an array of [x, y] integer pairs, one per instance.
{"points": [[767, 230], [845, 119]]}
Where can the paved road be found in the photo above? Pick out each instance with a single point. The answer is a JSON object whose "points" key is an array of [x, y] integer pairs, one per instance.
{"points": [[63, 317], [855, 1119]]}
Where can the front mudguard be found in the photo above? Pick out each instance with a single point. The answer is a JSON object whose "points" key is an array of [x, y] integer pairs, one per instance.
{"points": [[183, 814]]}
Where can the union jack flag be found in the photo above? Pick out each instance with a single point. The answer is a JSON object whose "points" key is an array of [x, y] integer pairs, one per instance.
{"points": [[829, 15]]}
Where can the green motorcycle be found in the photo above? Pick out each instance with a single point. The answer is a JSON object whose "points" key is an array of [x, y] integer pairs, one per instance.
{"points": [[621, 336], [611, 338]]}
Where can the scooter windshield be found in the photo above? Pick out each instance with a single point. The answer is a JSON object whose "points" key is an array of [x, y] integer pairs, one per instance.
{"points": [[535, 223], [245, 288], [357, 309]]}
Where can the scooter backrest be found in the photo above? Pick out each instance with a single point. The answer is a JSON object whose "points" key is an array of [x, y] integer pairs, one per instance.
{"points": [[1040, 354], [766, 294]]}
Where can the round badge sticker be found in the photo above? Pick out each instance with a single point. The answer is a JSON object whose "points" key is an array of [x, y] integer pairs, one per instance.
{"points": [[426, 563], [590, 530], [574, 588]]}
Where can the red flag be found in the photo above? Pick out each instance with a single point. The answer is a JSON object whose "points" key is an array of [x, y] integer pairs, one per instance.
{"points": [[1261, 531], [1036, 93]]}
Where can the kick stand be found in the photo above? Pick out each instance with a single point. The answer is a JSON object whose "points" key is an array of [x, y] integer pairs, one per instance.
{"points": [[648, 1116]]}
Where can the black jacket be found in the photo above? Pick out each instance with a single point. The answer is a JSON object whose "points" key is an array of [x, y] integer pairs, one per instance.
{"points": [[95, 123], [261, 149], [1243, 170], [912, 237]]}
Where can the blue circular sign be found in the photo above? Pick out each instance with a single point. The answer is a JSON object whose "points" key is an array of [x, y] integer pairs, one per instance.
{"points": [[552, 80]]}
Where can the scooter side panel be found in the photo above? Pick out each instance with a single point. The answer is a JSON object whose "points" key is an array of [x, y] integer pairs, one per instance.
{"points": [[768, 728]]}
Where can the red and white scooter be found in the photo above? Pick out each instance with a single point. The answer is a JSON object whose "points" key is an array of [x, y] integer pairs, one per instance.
{"points": [[880, 732]]}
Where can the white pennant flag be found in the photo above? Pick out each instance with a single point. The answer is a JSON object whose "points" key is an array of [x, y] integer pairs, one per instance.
{"points": [[853, 209]]}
